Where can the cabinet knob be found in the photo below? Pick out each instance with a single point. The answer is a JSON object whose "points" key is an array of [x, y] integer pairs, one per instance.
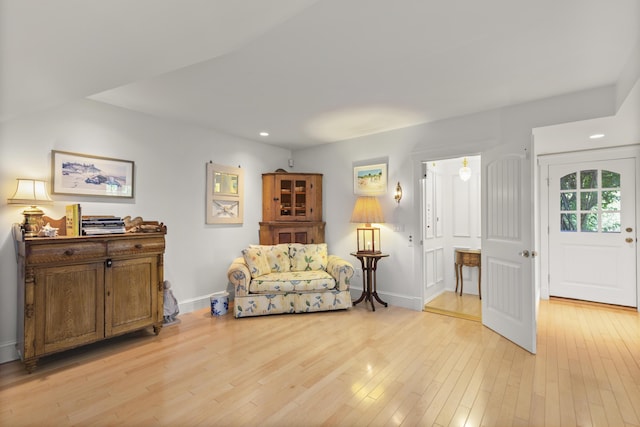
{"points": [[138, 245], [69, 252]]}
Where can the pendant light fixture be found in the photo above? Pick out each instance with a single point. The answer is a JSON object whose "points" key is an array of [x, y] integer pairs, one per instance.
{"points": [[465, 171]]}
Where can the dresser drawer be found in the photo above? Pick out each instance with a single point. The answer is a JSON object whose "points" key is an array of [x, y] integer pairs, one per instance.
{"points": [[468, 258], [64, 252], [133, 246]]}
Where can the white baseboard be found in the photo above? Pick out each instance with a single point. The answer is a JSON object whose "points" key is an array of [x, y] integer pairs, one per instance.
{"points": [[194, 304], [412, 303], [8, 352]]}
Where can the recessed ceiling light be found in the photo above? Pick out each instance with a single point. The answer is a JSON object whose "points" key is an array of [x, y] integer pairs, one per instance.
{"points": [[597, 136], [264, 133]]}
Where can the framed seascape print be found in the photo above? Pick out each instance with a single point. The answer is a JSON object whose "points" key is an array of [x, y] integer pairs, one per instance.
{"points": [[86, 175], [370, 180], [225, 188]]}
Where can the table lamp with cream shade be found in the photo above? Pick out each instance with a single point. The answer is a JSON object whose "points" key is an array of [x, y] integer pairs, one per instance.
{"points": [[31, 192], [367, 211]]}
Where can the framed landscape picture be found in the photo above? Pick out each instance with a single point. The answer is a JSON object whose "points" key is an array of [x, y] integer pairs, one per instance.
{"points": [[86, 175], [370, 180]]}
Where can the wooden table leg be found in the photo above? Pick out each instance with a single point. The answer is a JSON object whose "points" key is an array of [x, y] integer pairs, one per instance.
{"points": [[370, 275], [375, 285], [364, 283], [455, 267]]}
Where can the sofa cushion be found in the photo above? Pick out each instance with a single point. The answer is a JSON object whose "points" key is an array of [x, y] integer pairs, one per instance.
{"points": [[257, 261], [293, 281], [308, 257], [277, 255]]}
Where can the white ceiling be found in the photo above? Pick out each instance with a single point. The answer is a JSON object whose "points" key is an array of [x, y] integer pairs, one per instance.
{"points": [[308, 71]]}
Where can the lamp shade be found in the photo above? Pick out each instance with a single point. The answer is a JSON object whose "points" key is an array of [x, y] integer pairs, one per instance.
{"points": [[367, 210], [30, 192]]}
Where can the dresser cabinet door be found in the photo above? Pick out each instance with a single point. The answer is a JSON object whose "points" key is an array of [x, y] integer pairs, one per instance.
{"points": [[69, 306], [131, 294], [273, 233], [293, 235]]}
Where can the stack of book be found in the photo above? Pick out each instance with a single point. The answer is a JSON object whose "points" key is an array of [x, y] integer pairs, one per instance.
{"points": [[96, 225]]}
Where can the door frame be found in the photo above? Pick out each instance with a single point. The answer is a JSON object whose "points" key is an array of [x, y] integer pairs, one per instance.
{"points": [[439, 286], [543, 163]]}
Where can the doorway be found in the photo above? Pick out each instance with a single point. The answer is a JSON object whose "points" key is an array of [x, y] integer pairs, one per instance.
{"points": [[590, 215], [451, 220]]}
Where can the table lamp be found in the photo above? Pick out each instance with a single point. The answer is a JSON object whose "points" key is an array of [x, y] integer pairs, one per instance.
{"points": [[31, 192], [367, 210]]}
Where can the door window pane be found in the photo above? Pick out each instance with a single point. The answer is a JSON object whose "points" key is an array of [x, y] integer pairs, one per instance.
{"points": [[568, 201], [610, 179], [568, 182], [588, 200], [568, 222], [611, 222], [589, 222], [589, 179], [611, 200]]}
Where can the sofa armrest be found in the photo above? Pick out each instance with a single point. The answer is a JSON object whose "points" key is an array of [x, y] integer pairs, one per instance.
{"points": [[239, 277], [341, 270]]}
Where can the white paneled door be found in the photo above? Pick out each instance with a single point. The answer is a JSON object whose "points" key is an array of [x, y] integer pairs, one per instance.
{"points": [[432, 236], [592, 231], [508, 293]]}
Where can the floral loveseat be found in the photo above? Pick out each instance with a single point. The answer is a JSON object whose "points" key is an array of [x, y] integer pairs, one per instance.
{"points": [[289, 278]]}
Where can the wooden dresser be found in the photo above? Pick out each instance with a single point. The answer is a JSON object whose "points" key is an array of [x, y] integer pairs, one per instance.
{"points": [[78, 290], [291, 208]]}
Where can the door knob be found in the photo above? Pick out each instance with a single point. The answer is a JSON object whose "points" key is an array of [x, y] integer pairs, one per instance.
{"points": [[524, 253], [628, 240]]}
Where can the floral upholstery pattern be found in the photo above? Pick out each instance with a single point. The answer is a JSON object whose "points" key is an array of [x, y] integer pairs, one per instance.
{"points": [[293, 281], [263, 304], [316, 281], [277, 255], [308, 257], [257, 261], [341, 270]]}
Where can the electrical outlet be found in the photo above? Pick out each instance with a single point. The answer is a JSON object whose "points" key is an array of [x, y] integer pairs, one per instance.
{"points": [[410, 241]]}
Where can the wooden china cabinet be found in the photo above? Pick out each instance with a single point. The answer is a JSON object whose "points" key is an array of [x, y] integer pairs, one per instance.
{"points": [[74, 291], [291, 208]]}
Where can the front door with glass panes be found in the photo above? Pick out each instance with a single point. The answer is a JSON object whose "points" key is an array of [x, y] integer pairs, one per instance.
{"points": [[592, 231]]}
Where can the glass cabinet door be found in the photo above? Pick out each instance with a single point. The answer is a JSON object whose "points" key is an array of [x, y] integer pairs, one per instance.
{"points": [[285, 189], [293, 198], [300, 197]]}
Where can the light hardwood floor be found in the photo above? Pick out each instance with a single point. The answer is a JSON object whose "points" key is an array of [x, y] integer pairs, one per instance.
{"points": [[389, 367], [449, 303]]}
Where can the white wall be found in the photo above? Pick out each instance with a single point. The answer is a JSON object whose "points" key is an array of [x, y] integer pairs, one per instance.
{"points": [[400, 275], [169, 187]]}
